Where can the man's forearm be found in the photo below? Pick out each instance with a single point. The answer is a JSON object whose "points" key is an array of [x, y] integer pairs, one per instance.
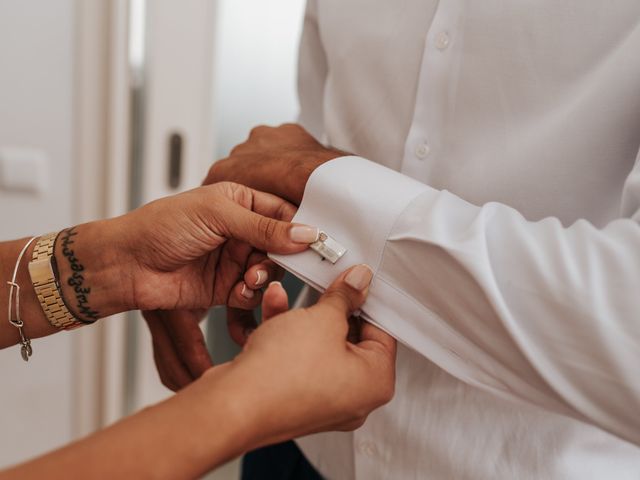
{"points": [[274, 160], [534, 310]]}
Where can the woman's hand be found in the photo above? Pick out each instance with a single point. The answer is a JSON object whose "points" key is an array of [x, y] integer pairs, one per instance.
{"points": [[180, 352], [276, 160], [188, 251], [299, 374]]}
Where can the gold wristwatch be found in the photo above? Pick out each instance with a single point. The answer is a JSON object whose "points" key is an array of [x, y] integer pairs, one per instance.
{"points": [[47, 287]]}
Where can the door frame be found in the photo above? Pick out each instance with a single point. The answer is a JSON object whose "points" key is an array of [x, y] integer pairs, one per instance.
{"points": [[101, 132], [121, 147]]}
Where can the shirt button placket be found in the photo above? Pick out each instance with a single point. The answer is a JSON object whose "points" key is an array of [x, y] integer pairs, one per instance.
{"points": [[433, 85]]}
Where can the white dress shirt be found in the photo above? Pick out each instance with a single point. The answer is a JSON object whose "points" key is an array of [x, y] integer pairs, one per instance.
{"points": [[507, 249]]}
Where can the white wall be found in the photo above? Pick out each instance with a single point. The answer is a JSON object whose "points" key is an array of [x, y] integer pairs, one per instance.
{"points": [[255, 75], [36, 110]]}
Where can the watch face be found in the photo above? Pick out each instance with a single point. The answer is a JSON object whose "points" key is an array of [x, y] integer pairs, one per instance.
{"points": [[41, 272]]}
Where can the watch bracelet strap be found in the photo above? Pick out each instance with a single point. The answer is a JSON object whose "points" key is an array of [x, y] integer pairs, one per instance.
{"points": [[48, 289]]}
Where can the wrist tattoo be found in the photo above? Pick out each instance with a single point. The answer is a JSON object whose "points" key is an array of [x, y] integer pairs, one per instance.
{"points": [[76, 280]]}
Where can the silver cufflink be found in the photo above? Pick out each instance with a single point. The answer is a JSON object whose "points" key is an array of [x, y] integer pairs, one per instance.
{"points": [[328, 248]]}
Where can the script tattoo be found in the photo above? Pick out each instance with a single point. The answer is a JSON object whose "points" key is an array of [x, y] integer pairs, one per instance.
{"points": [[76, 279]]}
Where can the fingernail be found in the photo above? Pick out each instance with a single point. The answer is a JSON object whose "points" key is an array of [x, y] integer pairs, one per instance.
{"points": [[274, 284], [359, 277], [246, 292], [304, 234], [261, 277]]}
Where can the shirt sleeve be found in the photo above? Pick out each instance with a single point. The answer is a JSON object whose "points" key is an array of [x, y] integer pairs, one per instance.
{"points": [[535, 311]]}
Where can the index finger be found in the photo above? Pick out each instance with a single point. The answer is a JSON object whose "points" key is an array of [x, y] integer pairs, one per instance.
{"points": [[269, 205], [370, 335]]}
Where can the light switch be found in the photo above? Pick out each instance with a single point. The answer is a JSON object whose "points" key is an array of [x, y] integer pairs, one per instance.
{"points": [[23, 169]]}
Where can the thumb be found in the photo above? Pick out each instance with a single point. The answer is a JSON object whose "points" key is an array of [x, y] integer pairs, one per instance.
{"points": [[348, 292], [266, 233]]}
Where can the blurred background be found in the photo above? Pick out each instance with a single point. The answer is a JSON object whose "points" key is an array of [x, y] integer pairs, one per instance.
{"points": [[104, 105]]}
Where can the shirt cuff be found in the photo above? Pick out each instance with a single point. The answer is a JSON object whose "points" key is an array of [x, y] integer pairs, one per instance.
{"points": [[356, 202]]}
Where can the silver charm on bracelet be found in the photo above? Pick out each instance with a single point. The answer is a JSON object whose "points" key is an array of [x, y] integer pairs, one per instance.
{"points": [[14, 307]]}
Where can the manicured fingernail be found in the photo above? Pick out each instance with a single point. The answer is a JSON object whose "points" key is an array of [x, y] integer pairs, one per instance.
{"points": [[246, 292], [359, 277], [274, 284], [261, 277], [304, 234]]}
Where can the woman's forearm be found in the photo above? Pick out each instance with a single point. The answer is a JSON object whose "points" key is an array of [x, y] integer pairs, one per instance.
{"points": [[90, 274], [170, 254], [274, 390], [185, 436], [95, 269], [36, 324]]}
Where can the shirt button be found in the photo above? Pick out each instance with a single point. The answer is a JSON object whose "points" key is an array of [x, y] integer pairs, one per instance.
{"points": [[442, 41], [422, 151], [368, 448]]}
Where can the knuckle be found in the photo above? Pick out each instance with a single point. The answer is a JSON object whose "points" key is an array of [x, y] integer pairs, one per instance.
{"points": [[267, 227], [354, 422], [338, 295], [258, 131], [386, 393], [215, 171], [298, 131], [240, 152], [358, 422], [286, 212], [223, 191], [237, 150]]}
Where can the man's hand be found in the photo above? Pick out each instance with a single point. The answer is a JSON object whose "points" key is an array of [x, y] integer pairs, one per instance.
{"points": [[179, 348], [278, 160]]}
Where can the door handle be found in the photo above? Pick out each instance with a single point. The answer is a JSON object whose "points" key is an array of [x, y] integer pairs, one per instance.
{"points": [[176, 149]]}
